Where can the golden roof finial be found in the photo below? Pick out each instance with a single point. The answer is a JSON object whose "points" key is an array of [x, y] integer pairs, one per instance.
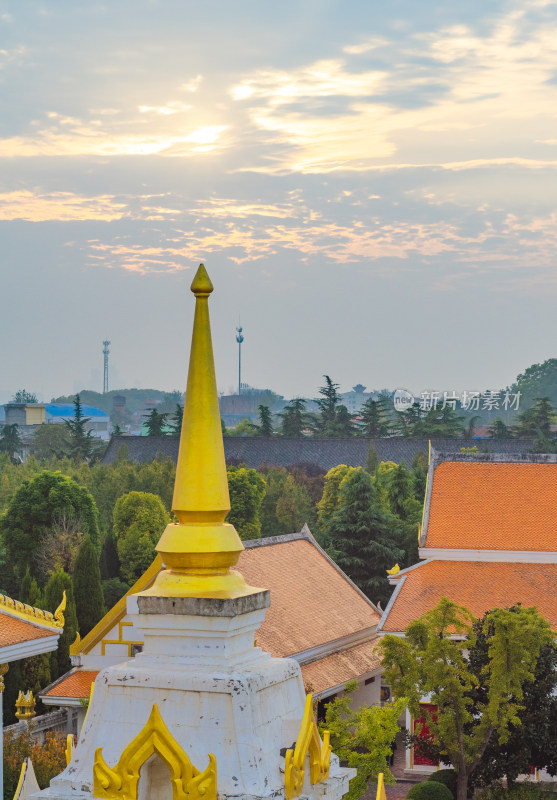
{"points": [[200, 548]]}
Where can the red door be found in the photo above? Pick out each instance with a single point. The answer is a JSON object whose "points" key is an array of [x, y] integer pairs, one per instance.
{"points": [[424, 733]]}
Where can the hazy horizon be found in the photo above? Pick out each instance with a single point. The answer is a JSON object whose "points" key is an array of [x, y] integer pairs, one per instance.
{"points": [[372, 190]]}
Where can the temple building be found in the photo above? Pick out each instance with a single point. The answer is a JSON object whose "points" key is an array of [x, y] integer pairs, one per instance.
{"points": [[488, 540], [331, 649], [25, 631]]}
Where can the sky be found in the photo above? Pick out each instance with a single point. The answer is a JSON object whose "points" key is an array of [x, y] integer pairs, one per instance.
{"points": [[371, 186]]}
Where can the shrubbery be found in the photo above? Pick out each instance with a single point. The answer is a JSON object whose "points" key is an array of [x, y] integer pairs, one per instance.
{"points": [[429, 790], [447, 777], [48, 759]]}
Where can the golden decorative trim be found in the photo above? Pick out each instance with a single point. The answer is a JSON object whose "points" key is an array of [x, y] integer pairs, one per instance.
{"points": [[59, 613], [394, 570], [32, 614], [120, 782], [120, 639], [3, 669], [70, 743], [88, 704], [25, 705], [20, 781], [381, 793], [116, 613], [319, 755]]}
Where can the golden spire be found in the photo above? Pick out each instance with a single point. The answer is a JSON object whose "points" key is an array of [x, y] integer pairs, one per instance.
{"points": [[200, 548]]}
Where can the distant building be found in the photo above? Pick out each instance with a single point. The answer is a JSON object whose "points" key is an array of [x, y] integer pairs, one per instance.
{"points": [[236, 407], [355, 399], [30, 416]]}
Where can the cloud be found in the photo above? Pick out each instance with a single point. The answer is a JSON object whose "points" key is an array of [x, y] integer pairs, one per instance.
{"points": [[451, 96], [69, 136], [60, 206]]}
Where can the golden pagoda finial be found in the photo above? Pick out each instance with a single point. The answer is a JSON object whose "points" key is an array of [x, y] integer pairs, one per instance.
{"points": [[200, 548]]}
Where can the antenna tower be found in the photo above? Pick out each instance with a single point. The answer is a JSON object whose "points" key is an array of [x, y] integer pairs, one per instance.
{"points": [[239, 339], [106, 351]]}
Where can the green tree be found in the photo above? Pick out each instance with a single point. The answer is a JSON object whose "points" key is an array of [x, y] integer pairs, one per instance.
{"points": [[374, 420], [362, 538], [342, 425], [293, 507], [50, 441], [533, 742], [176, 420], [109, 562], [243, 428], [275, 481], [29, 591], [155, 423], [433, 660], [58, 583], [399, 489], [81, 442], [362, 738], [328, 505], [247, 490], [23, 396], [32, 513], [265, 427], [10, 440], [536, 423], [88, 593], [113, 590], [327, 404], [294, 419], [139, 520], [372, 459], [498, 430]]}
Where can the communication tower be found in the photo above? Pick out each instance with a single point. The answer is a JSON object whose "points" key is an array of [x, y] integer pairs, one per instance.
{"points": [[106, 351], [239, 339]]}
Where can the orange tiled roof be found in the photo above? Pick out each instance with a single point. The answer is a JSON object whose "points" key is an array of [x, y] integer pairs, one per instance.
{"points": [[341, 667], [311, 602], [76, 684], [477, 585], [493, 506], [15, 631]]}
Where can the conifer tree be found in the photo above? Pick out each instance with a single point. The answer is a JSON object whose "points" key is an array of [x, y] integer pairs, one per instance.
{"points": [[327, 404], [294, 418], [29, 591], [374, 421], [109, 562], [176, 420], [399, 489], [155, 423], [361, 536], [81, 444], [58, 583], [10, 440], [328, 505], [372, 460], [265, 427], [88, 593]]}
